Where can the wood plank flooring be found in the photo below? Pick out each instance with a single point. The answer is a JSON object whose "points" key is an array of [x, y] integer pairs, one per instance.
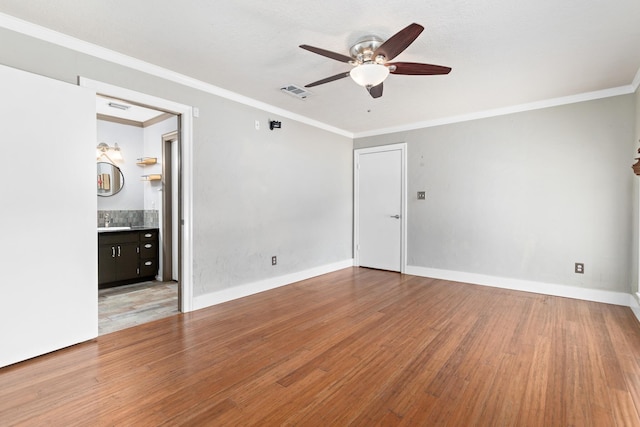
{"points": [[356, 347]]}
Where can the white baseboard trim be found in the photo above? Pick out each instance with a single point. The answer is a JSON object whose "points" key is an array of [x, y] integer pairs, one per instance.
{"points": [[241, 291], [634, 304], [597, 295]]}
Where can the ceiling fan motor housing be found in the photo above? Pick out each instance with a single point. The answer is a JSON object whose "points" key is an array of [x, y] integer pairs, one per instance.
{"points": [[364, 49]]}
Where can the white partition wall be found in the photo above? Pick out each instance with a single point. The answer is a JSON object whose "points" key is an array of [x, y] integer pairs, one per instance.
{"points": [[48, 217]]}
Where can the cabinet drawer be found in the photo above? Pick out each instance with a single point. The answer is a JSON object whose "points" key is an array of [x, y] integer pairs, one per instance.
{"points": [[148, 249], [114, 237], [148, 236], [148, 267]]}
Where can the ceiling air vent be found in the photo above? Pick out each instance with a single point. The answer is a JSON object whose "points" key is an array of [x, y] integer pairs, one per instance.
{"points": [[296, 91]]}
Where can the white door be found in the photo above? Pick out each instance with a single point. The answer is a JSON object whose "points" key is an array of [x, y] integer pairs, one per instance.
{"points": [[49, 291], [380, 212]]}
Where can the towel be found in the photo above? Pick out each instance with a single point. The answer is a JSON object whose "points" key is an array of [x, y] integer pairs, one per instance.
{"points": [[106, 181]]}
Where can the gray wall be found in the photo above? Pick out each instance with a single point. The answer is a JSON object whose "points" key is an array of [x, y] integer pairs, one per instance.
{"points": [[256, 193], [526, 195], [285, 192]]}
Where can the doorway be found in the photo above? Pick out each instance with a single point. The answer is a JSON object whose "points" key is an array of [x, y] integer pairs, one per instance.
{"points": [[183, 217], [144, 206], [380, 207]]}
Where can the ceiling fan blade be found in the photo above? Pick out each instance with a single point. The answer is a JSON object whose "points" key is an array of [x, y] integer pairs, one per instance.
{"points": [[329, 79], [376, 91], [399, 41], [333, 55], [416, 69]]}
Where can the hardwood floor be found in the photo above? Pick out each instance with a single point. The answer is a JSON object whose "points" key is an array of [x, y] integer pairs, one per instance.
{"points": [[356, 347]]}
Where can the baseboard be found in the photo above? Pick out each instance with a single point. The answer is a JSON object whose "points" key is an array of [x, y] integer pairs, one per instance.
{"points": [[241, 291], [634, 304], [597, 295]]}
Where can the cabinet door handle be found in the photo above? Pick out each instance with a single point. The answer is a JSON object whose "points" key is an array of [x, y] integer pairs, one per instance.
{"points": [[148, 235], [148, 263], [148, 246], [113, 251], [118, 250]]}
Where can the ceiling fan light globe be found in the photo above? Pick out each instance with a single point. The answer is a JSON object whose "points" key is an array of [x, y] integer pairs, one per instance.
{"points": [[369, 74]]}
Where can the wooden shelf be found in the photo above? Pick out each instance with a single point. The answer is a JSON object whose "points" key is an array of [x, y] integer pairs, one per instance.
{"points": [[144, 161], [152, 177]]}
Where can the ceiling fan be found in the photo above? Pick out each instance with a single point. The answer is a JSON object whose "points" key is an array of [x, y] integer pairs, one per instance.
{"points": [[369, 58]]}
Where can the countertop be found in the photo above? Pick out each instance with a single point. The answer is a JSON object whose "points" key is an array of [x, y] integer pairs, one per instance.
{"points": [[132, 228]]}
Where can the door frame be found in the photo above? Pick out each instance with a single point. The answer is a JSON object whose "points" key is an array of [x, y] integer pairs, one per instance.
{"points": [[402, 147], [185, 113], [167, 204]]}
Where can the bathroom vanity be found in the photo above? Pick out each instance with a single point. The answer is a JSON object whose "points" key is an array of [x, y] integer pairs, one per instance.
{"points": [[127, 255]]}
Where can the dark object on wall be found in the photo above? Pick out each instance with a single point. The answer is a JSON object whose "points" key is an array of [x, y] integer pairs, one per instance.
{"points": [[636, 166], [274, 124]]}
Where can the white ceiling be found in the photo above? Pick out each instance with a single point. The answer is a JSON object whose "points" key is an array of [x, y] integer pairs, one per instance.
{"points": [[503, 52]]}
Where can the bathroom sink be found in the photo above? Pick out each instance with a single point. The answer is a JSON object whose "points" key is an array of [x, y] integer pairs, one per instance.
{"points": [[101, 229]]}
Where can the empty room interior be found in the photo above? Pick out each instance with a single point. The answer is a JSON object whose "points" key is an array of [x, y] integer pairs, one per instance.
{"points": [[320, 213]]}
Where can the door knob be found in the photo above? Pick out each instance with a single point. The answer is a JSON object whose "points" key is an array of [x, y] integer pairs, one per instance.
{"points": [[395, 216]]}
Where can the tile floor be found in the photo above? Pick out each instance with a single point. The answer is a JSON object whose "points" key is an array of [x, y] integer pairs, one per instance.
{"points": [[130, 305]]}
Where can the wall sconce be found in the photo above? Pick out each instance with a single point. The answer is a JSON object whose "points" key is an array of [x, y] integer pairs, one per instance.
{"points": [[111, 153]]}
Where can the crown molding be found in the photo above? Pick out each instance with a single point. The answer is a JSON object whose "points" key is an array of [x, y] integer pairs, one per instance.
{"points": [[554, 102], [63, 40]]}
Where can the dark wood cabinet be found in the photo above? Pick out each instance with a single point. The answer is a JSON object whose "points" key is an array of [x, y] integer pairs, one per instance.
{"points": [[127, 257]]}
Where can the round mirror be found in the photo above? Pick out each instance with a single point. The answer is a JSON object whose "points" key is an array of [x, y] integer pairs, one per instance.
{"points": [[110, 179]]}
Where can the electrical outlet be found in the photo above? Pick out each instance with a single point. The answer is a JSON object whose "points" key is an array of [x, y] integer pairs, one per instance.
{"points": [[579, 268], [422, 195], [274, 260]]}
